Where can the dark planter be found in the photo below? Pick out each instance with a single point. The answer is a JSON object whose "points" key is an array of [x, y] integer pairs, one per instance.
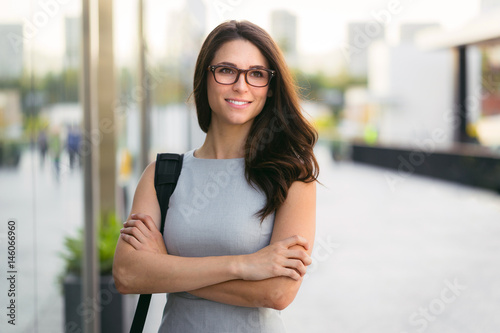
{"points": [[468, 165], [109, 304], [10, 154]]}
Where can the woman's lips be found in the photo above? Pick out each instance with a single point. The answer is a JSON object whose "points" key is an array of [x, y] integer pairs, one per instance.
{"points": [[237, 103]]}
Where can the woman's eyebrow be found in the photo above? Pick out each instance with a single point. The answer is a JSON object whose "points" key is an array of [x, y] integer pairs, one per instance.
{"points": [[234, 65], [258, 67], [227, 64]]}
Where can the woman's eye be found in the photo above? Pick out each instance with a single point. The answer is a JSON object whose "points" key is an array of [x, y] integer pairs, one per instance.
{"points": [[226, 70], [257, 73]]}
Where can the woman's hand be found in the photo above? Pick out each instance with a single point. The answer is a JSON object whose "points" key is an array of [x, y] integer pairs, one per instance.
{"points": [[141, 232], [277, 259]]}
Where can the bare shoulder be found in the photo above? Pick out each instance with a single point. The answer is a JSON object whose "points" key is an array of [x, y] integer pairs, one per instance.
{"points": [[146, 182], [297, 215], [145, 200], [301, 191], [149, 172], [300, 196]]}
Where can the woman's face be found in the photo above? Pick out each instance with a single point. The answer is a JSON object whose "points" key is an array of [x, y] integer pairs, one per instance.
{"points": [[239, 103]]}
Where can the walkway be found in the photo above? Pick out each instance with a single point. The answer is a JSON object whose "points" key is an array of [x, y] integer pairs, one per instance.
{"points": [[423, 256]]}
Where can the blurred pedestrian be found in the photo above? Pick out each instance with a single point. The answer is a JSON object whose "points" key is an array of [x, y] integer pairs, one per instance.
{"points": [[55, 148], [73, 146], [42, 145]]}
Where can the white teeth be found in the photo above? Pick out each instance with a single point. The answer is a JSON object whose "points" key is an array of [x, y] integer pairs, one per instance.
{"points": [[236, 102]]}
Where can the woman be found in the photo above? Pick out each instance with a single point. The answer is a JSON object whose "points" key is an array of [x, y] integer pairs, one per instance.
{"points": [[240, 226]]}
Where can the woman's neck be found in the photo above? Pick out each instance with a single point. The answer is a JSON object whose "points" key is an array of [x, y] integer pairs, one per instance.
{"points": [[224, 142]]}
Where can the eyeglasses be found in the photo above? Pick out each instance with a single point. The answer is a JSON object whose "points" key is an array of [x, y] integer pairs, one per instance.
{"points": [[256, 77]]}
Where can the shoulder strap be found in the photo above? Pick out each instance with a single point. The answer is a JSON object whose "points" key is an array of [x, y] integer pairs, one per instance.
{"points": [[167, 170], [140, 313]]}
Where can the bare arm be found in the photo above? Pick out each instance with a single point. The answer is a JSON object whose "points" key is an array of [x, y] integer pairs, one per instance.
{"points": [[297, 216], [142, 264]]}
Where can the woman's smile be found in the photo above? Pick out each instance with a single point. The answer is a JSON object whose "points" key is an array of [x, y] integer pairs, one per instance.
{"points": [[237, 103]]}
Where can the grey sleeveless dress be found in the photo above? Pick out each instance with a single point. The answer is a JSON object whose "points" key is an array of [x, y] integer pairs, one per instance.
{"points": [[211, 213]]}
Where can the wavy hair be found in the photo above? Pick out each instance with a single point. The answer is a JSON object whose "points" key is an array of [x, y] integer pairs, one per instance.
{"points": [[279, 146]]}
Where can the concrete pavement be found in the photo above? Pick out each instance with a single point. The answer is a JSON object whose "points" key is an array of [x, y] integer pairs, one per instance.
{"points": [[45, 210], [421, 256]]}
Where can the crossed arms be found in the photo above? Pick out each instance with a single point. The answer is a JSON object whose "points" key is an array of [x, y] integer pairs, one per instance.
{"points": [[269, 277]]}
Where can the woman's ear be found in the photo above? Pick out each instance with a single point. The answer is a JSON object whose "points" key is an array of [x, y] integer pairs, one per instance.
{"points": [[269, 93]]}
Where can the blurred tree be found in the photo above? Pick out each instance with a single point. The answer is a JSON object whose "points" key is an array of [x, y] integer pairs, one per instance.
{"points": [[311, 84], [170, 88], [60, 87]]}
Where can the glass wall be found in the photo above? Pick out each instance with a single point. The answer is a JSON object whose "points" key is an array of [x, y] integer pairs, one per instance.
{"points": [[174, 33], [40, 169], [129, 95]]}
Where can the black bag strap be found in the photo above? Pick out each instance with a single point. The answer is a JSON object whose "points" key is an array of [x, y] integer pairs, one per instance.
{"points": [[167, 171], [141, 313]]}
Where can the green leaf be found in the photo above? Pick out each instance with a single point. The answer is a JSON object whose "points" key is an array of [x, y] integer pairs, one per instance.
{"points": [[108, 233]]}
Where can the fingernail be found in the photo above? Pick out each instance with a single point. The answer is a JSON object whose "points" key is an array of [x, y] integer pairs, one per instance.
{"points": [[133, 215]]}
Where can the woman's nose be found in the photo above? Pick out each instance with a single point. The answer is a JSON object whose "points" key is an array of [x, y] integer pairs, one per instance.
{"points": [[241, 84]]}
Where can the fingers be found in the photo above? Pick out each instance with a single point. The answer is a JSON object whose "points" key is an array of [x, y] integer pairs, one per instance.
{"points": [[296, 240], [139, 241], [297, 266], [139, 225], [131, 240], [144, 222], [300, 255], [141, 232], [293, 269], [296, 262], [134, 230], [292, 263], [146, 219]]}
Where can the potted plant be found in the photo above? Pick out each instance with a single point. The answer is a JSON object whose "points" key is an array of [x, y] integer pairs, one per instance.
{"points": [[10, 153], [109, 301]]}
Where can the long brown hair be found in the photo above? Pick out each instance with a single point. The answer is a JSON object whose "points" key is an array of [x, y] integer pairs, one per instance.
{"points": [[279, 146]]}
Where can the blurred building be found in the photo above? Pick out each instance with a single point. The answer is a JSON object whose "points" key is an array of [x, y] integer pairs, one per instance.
{"points": [[174, 126], [410, 90], [408, 31], [186, 30], [487, 5], [360, 36], [284, 32], [72, 31], [185, 33], [435, 104], [11, 51], [10, 114], [476, 48]]}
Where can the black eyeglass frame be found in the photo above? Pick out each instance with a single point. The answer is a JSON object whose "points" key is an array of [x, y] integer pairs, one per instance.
{"points": [[272, 73]]}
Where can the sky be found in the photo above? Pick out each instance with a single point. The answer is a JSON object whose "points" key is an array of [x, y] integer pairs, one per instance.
{"points": [[321, 23]]}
